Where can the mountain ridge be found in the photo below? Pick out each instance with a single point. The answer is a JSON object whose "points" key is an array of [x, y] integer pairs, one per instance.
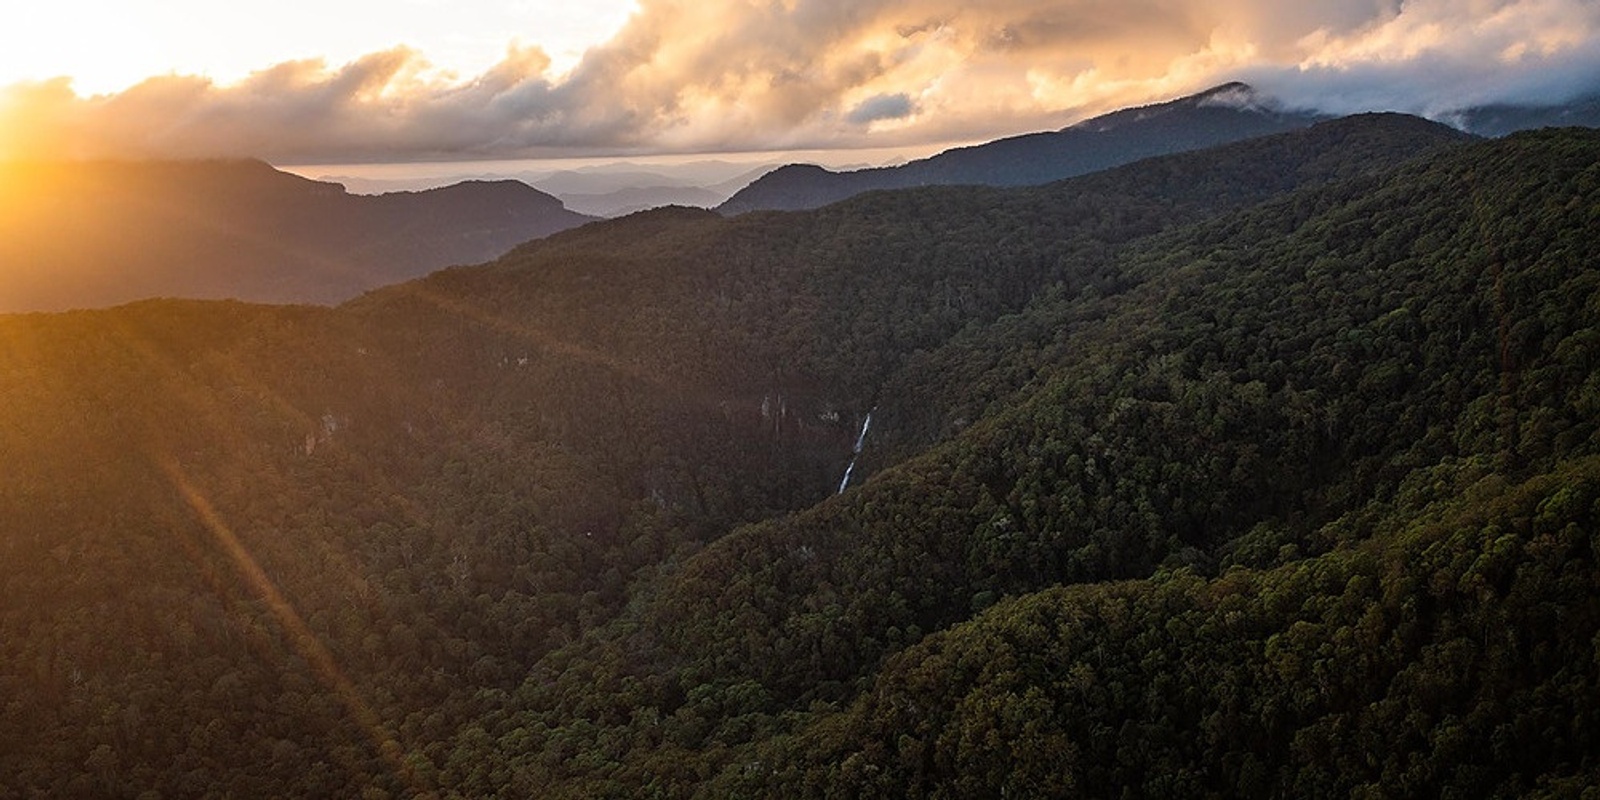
{"points": [[79, 234], [979, 519], [1203, 119], [1267, 469]]}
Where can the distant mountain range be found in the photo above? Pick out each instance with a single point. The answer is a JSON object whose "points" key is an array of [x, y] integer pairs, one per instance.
{"points": [[623, 202], [615, 194], [92, 234], [605, 190], [99, 233], [1227, 113], [1502, 119]]}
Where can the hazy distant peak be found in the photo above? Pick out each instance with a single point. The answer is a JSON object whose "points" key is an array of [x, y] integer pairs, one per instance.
{"points": [[1501, 119], [802, 169], [1237, 95], [1233, 95]]}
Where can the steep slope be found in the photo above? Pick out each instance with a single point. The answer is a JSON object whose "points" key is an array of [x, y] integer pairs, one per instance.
{"points": [[100, 233], [472, 533], [1287, 383], [1226, 113], [830, 301], [1446, 630]]}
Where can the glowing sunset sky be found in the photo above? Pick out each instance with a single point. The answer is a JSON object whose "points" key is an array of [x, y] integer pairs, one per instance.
{"points": [[381, 80]]}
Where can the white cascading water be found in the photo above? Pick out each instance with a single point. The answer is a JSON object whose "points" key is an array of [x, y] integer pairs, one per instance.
{"points": [[861, 439]]}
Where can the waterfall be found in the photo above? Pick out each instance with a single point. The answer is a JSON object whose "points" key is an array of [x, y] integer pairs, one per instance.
{"points": [[861, 439]]}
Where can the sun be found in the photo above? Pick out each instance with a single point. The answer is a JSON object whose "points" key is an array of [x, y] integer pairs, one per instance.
{"points": [[103, 46], [106, 46], [28, 113]]}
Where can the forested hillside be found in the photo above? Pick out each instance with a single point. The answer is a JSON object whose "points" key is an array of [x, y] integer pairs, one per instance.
{"points": [[1263, 470]]}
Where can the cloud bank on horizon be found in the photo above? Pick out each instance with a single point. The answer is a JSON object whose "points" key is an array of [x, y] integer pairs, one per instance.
{"points": [[736, 75]]}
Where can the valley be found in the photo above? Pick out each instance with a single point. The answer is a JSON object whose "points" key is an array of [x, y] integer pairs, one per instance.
{"points": [[1263, 468]]}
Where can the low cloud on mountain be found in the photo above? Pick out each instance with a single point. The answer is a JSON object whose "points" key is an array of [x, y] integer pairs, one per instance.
{"points": [[790, 74]]}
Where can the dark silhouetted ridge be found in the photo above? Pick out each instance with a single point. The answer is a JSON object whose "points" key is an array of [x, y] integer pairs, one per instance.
{"points": [[1226, 113], [88, 234]]}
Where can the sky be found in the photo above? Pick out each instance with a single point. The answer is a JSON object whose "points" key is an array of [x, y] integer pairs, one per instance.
{"points": [[331, 81]]}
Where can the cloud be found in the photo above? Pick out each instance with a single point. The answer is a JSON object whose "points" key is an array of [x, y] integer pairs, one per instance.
{"points": [[882, 107], [708, 75], [1435, 57]]}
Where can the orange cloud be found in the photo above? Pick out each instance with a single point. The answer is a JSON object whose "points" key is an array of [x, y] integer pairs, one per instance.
{"points": [[730, 74]]}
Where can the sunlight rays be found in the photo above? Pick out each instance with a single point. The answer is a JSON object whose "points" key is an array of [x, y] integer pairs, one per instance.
{"points": [[300, 636], [162, 451], [232, 227]]}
